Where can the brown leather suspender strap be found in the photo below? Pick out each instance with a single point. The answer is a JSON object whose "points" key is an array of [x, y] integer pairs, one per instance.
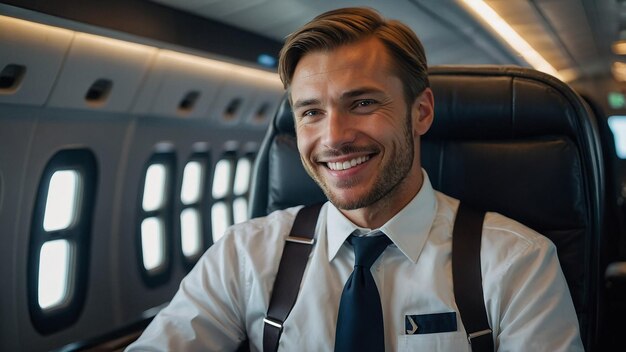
{"points": [[467, 277], [290, 271]]}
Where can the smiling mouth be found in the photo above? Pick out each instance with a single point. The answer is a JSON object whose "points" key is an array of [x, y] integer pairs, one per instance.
{"points": [[344, 165]]}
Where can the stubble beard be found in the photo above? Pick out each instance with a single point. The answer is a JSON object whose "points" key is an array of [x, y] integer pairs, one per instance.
{"points": [[387, 181]]}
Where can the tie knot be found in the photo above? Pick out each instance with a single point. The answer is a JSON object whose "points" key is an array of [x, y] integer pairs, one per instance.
{"points": [[367, 249]]}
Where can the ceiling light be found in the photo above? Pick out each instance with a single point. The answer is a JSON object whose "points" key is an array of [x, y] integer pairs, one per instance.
{"points": [[619, 71], [511, 37], [619, 47]]}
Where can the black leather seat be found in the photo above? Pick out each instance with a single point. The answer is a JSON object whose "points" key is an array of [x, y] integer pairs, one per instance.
{"points": [[505, 139], [613, 251]]}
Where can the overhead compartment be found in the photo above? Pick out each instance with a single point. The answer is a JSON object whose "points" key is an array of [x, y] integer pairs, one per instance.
{"points": [[101, 74], [248, 96], [45, 65], [31, 56], [181, 85], [267, 98], [188, 86]]}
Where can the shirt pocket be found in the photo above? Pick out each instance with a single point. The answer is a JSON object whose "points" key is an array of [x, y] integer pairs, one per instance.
{"points": [[455, 341]]}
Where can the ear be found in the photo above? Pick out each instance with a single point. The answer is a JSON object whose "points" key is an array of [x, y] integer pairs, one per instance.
{"points": [[423, 112]]}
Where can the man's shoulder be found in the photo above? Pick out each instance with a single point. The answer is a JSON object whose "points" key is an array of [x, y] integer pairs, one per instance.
{"points": [[272, 228], [276, 217], [498, 229], [508, 244]]}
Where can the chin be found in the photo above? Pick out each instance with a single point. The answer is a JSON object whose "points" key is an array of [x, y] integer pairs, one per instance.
{"points": [[350, 202]]}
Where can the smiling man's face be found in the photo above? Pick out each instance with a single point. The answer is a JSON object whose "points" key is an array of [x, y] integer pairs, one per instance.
{"points": [[357, 136]]}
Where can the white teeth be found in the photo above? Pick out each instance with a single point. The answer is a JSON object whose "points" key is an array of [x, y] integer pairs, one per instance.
{"points": [[348, 164]]}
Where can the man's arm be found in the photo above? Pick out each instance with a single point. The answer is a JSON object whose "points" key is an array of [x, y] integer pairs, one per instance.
{"points": [[207, 311], [528, 297]]}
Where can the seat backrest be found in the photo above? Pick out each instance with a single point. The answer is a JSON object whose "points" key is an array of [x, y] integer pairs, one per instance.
{"points": [[505, 139], [615, 186]]}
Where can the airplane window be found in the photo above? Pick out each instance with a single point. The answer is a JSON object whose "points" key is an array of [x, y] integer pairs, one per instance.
{"points": [[152, 243], [221, 179], [193, 231], [191, 234], [61, 201], [54, 274], [618, 127], [60, 239], [154, 188], [240, 209], [220, 220], [155, 216], [192, 182], [242, 176]]}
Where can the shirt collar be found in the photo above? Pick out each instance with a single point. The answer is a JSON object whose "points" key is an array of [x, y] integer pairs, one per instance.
{"points": [[408, 229]]}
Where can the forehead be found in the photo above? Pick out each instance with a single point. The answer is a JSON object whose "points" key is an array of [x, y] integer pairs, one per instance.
{"points": [[364, 60]]}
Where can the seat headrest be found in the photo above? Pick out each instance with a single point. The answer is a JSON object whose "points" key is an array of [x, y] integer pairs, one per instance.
{"points": [[496, 102], [283, 122]]}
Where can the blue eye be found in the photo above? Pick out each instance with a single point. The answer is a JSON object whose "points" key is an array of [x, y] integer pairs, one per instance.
{"points": [[365, 106], [310, 113]]}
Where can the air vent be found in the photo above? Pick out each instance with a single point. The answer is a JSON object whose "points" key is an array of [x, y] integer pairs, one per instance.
{"points": [[99, 91], [231, 110], [11, 77], [261, 113], [188, 102]]}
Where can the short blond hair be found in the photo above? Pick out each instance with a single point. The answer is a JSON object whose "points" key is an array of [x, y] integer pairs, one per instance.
{"points": [[349, 25]]}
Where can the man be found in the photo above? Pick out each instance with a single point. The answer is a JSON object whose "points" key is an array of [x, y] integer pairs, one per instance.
{"points": [[361, 101]]}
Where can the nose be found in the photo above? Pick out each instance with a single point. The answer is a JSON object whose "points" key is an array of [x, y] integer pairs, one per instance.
{"points": [[339, 130]]}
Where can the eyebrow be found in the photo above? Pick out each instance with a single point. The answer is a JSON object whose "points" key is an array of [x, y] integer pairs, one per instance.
{"points": [[346, 95], [360, 91], [307, 102]]}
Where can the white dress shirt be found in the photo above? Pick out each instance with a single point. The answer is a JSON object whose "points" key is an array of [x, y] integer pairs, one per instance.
{"points": [[225, 297]]}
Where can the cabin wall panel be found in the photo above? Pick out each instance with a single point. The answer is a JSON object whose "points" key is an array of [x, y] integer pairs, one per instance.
{"points": [[93, 58], [135, 296], [253, 90], [104, 135], [268, 96], [40, 49], [234, 89], [173, 76], [49, 112], [16, 131]]}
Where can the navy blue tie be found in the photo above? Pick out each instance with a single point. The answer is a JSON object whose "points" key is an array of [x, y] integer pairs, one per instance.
{"points": [[360, 322]]}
